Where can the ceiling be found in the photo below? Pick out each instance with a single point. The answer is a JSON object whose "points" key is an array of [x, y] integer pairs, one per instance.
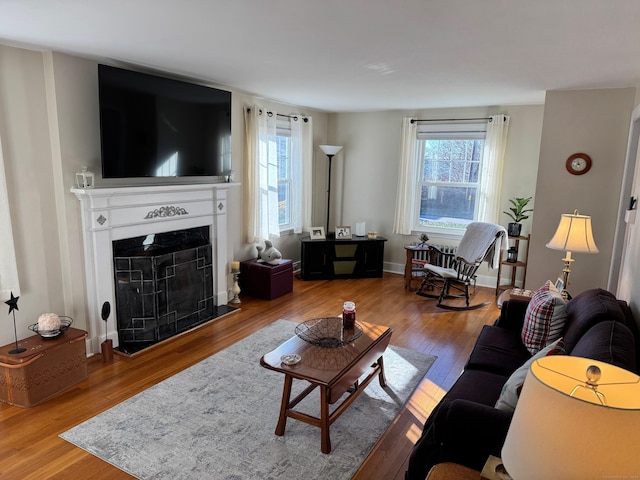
{"points": [[351, 55]]}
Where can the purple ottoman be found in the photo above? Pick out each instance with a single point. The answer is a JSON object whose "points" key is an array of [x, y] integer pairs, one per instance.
{"points": [[261, 280]]}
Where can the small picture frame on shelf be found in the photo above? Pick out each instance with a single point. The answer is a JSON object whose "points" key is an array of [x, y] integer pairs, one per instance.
{"points": [[317, 233], [343, 233], [559, 284]]}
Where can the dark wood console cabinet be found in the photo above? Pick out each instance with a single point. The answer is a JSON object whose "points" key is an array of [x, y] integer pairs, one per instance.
{"points": [[331, 258]]}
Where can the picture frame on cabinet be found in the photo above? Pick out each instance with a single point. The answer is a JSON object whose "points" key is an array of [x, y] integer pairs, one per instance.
{"points": [[343, 232], [317, 233]]}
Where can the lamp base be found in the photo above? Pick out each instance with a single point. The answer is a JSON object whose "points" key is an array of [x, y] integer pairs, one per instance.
{"points": [[566, 271]]}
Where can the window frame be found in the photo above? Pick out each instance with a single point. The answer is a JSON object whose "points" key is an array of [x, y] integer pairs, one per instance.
{"points": [[283, 129], [468, 130]]}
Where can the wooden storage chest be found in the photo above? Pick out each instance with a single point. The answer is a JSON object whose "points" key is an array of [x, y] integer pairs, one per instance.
{"points": [[47, 367]]}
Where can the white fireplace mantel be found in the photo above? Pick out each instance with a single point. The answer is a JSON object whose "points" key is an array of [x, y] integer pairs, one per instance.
{"points": [[110, 214]]}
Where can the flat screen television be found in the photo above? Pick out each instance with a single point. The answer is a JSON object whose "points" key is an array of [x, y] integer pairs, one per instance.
{"points": [[152, 126]]}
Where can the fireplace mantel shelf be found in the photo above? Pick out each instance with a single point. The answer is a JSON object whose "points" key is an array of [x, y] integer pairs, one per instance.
{"points": [[145, 189], [110, 214]]}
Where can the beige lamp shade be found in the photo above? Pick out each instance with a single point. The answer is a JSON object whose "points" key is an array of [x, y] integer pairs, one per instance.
{"points": [[330, 149], [560, 430], [574, 234]]}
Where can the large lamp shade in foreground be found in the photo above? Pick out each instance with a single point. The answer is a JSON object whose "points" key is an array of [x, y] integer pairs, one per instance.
{"points": [[570, 424]]}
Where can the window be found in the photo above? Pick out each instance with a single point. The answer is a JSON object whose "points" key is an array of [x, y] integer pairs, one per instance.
{"points": [[450, 174], [278, 173], [449, 167], [282, 142]]}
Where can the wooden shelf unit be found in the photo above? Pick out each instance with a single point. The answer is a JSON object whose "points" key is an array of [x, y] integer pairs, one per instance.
{"points": [[359, 257], [523, 259]]}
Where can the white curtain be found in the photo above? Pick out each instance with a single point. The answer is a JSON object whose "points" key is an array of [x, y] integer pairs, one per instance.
{"points": [[8, 269], [301, 163], [406, 193], [495, 145], [261, 173]]}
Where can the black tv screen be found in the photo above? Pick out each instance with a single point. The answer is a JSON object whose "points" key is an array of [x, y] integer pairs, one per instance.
{"points": [[153, 126]]}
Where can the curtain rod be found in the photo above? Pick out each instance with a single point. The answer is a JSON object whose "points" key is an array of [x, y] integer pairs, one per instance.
{"points": [[295, 117], [414, 120]]}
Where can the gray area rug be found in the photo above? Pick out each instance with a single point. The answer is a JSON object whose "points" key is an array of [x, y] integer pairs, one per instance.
{"points": [[216, 420]]}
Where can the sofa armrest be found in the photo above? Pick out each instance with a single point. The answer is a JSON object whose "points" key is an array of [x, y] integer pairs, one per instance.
{"points": [[512, 314], [473, 432], [461, 431]]}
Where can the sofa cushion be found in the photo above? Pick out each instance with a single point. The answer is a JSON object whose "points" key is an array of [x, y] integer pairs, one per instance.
{"points": [[610, 342], [587, 309], [511, 390], [498, 350], [477, 386], [545, 318]]}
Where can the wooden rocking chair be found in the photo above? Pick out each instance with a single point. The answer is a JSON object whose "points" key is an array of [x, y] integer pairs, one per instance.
{"points": [[481, 242]]}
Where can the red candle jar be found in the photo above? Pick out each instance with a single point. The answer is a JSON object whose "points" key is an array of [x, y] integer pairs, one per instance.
{"points": [[348, 314]]}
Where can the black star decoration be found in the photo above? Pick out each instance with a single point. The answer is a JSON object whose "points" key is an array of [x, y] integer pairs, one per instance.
{"points": [[13, 303]]}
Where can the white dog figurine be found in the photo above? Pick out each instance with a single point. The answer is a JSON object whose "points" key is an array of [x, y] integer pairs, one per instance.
{"points": [[270, 254]]}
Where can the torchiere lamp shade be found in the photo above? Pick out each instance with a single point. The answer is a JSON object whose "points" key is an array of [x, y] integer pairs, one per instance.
{"points": [[330, 149], [561, 430]]}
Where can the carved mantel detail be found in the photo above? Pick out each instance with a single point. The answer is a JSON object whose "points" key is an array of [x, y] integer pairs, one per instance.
{"points": [[168, 211]]}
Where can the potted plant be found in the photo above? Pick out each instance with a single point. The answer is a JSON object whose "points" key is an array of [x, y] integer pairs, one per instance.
{"points": [[517, 213]]}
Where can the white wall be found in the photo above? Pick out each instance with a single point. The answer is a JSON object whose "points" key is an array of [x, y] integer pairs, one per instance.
{"points": [[27, 154], [595, 122], [370, 165]]}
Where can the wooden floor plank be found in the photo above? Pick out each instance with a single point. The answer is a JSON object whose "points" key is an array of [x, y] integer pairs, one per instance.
{"points": [[31, 449]]}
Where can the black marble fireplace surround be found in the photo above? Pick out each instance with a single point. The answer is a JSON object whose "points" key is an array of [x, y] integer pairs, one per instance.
{"points": [[164, 286]]}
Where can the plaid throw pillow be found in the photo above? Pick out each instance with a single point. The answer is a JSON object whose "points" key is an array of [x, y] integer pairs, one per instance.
{"points": [[545, 318]]}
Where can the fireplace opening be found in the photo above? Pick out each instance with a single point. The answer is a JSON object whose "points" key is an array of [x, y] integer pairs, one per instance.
{"points": [[164, 286]]}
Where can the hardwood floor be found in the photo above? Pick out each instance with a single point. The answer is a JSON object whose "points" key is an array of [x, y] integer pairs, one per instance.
{"points": [[31, 449]]}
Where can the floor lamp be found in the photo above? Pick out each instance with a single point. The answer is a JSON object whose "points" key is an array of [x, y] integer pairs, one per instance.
{"points": [[329, 151], [574, 234]]}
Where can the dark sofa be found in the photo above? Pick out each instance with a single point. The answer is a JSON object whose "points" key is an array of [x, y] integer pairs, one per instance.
{"points": [[465, 427]]}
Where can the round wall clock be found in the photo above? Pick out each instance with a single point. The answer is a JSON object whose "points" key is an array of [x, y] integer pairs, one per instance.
{"points": [[578, 163]]}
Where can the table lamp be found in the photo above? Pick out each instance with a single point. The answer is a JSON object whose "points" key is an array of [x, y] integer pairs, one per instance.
{"points": [[574, 234], [329, 151], [576, 418]]}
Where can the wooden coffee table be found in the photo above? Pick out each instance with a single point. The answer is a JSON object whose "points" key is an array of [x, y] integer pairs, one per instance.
{"points": [[334, 370]]}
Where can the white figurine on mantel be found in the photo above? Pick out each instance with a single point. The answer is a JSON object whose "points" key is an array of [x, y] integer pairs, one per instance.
{"points": [[270, 254]]}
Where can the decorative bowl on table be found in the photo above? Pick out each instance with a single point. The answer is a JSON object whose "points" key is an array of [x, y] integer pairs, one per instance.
{"points": [[48, 333], [327, 332]]}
